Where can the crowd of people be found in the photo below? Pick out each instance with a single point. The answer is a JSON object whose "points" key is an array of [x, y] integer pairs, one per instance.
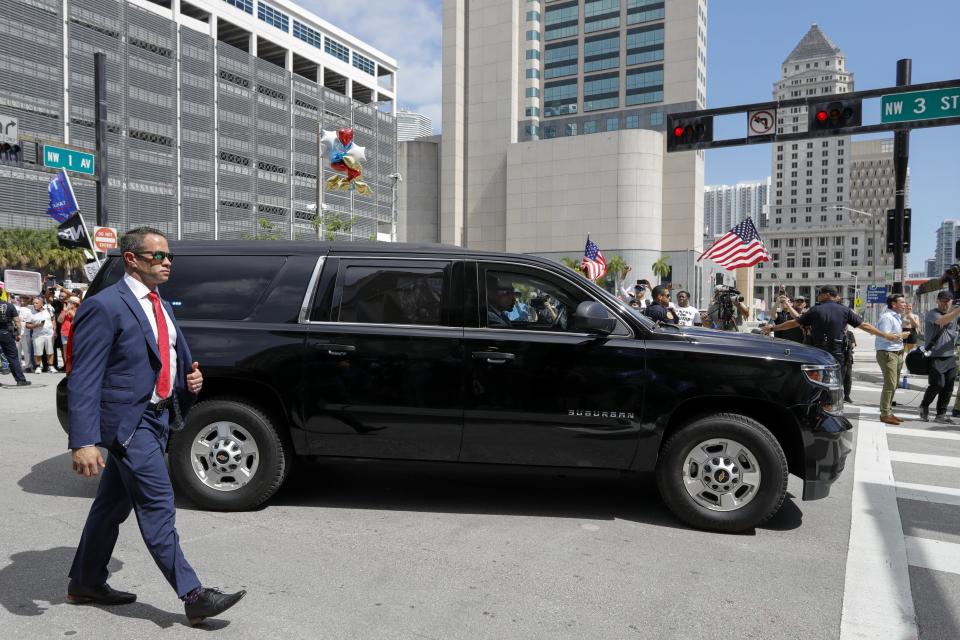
{"points": [[35, 331]]}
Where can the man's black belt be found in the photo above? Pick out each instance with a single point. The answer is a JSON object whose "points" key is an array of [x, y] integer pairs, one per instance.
{"points": [[160, 406]]}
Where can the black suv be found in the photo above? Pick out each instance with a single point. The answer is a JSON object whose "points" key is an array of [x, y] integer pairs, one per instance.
{"points": [[438, 353]]}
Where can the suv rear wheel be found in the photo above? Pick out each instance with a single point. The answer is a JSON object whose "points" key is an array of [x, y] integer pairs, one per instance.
{"points": [[724, 472], [229, 456]]}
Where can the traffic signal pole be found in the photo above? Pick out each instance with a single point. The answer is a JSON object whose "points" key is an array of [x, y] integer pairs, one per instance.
{"points": [[901, 153], [100, 131]]}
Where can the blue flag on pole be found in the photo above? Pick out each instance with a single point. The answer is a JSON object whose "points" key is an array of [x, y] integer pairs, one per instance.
{"points": [[63, 202]]}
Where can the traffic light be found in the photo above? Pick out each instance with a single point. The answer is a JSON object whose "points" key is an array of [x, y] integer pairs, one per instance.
{"points": [[892, 239], [10, 152], [837, 114], [688, 133]]}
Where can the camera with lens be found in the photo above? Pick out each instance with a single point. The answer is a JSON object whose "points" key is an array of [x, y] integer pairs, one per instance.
{"points": [[723, 290]]}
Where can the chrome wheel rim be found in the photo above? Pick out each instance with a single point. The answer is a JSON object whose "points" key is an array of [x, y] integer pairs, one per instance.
{"points": [[721, 475], [224, 456]]}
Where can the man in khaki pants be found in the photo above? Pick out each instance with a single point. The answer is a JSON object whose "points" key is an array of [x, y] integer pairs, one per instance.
{"points": [[890, 354]]}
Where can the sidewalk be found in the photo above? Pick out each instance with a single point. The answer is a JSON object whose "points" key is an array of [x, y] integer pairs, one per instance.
{"points": [[866, 369]]}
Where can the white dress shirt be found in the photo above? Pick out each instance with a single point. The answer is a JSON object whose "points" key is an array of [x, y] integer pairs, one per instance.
{"points": [[141, 290]]}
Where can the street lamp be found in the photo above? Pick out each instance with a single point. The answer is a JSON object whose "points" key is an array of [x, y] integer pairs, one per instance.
{"points": [[873, 227], [396, 178]]}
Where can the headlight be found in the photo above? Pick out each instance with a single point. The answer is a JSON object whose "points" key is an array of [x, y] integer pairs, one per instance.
{"points": [[827, 377], [823, 375]]}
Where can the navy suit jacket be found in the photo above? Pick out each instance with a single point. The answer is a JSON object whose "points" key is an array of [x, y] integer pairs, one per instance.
{"points": [[115, 368]]}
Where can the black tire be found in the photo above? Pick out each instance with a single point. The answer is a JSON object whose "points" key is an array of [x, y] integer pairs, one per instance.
{"points": [[275, 456], [772, 462]]}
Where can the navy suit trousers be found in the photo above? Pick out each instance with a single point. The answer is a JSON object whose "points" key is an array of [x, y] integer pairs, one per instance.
{"points": [[135, 480]]}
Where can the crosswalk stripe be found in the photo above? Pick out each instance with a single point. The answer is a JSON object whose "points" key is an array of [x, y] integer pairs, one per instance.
{"points": [[928, 493], [875, 556], [922, 433], [925, 458], [933, 554]]}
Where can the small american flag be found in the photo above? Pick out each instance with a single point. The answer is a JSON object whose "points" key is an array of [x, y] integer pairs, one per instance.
{"points": [[739, 247], [593, 263]]}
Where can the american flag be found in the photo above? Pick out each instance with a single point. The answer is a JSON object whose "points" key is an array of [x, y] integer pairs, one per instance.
{"points": [[739, 247], [593, 263]]}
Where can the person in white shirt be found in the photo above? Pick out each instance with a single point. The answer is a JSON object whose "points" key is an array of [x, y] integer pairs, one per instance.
{"points": [[41, 323], [687, 314], [25, 312]]}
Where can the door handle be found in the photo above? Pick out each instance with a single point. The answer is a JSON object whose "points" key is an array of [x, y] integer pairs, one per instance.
{"points": [[339, 350], [493, 357]]}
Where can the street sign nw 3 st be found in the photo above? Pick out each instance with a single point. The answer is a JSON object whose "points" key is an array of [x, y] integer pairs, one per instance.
{"points": [[920, 105], [69, 159]]}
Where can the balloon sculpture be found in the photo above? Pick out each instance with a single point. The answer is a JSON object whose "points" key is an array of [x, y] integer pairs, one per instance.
{"points": [[345, 158]]}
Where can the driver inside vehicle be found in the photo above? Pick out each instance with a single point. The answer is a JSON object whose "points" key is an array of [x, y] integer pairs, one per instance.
{"points": [[500, 301]]}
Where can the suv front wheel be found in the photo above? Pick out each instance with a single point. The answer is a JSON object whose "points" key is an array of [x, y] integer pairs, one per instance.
{"points": [[229, 456], [724, 472]]}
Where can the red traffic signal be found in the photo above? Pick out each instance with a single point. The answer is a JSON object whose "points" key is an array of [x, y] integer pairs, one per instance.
{"points": [[689, 133], [837, 114]]}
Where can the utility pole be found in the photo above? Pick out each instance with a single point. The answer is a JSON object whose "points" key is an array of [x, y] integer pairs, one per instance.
{"points": [[100, 129], [901, 153]]}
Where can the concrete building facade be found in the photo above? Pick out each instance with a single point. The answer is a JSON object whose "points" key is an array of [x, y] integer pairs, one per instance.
{"points": [[214, 109], [813, 236], [559, 93], [412, 125]]}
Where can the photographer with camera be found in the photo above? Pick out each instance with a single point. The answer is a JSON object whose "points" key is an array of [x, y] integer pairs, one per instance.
{"points": [[789, 312], [638, 292], [828, 324], [726, 311], [940, 324]]}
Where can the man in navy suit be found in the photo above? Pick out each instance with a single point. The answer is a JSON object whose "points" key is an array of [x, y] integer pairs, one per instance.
{"points": [[132, 376]]}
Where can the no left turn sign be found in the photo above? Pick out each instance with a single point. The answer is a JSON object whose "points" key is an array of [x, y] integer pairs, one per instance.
{"points": [[762, 122]]}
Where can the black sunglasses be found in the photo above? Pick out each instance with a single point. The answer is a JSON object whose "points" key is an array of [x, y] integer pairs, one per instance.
{"points": [[159, 256]]}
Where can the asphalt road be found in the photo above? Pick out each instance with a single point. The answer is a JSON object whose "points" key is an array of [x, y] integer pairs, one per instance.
{"points": [[390, 551]]}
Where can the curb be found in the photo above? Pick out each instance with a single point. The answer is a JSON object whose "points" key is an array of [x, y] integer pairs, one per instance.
{"points": [[876, 378]]}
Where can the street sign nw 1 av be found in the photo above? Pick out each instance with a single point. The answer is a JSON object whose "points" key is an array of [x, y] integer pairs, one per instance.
{"points": [[920, 105], [69, 159]]}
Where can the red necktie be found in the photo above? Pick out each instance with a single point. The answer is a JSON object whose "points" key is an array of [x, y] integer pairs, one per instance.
{"points": [[163, 342]]}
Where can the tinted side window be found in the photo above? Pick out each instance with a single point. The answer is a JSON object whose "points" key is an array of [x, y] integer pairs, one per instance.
{"points": [[392, 294], [219, 287], [521, 299]]}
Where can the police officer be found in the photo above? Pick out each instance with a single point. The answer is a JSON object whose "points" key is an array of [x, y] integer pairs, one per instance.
{"points": [[659, 310], [828, 325], [9, 335]]}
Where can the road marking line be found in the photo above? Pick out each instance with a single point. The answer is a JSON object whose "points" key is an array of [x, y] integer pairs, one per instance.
{"points": [[928, 493], [876, 553], [933, 554], [925, 458], [922, 433]]}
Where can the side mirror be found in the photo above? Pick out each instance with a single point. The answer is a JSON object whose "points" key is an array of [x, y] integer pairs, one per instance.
{"points": [[592, 317]]}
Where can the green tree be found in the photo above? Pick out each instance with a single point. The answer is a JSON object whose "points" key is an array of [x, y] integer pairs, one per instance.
{"points": [[37, 250], [661, 269], [573, 263], [333, 223], [617, 268]]}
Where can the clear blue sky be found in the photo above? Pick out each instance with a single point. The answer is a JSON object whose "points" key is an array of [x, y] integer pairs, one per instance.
{"points": [[748, 40]]}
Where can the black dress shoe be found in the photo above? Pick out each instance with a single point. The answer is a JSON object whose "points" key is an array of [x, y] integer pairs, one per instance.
{"points": [[99, 594], [211, 602]]}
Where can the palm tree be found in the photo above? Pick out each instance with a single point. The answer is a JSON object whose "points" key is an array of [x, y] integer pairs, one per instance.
{"points": [[661, 268], [617, 268], [573, 263], [37, 250]]}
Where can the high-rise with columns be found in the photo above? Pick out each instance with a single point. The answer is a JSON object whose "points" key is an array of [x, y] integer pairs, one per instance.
{"points": [[829, 196]]}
